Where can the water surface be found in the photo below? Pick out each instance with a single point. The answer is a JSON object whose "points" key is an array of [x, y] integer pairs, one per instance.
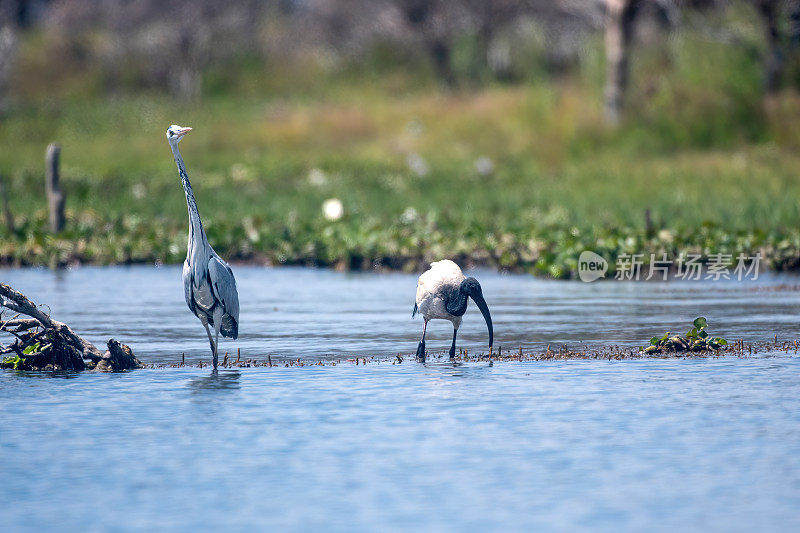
{"points": [[312, 314], [633, 445], [642, 445]]}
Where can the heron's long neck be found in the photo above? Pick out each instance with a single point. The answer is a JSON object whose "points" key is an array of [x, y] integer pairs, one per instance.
{"points": [[196, 233]]}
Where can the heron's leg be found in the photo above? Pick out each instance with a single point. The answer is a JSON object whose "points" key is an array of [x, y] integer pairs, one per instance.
{"points": [[217, 325], [421, 347], [208, 332], [453, 346]]}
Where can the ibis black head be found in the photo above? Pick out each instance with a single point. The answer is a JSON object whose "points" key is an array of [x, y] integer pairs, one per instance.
{"points": [[472, 288]]}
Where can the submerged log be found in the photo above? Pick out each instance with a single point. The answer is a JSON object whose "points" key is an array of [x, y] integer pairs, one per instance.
{"points": [[42, 343], [118, 357]]}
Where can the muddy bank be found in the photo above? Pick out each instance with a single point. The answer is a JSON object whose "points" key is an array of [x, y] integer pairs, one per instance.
{"points": [[738, 349]]}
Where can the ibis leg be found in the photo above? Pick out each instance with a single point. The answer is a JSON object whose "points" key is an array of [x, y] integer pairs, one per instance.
{"points": [[421, 346], [453, 346]]}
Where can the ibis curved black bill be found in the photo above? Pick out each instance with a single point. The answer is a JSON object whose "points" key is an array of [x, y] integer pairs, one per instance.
{"points": [[481, 303]]}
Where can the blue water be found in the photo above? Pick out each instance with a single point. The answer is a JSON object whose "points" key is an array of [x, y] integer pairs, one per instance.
{"points": [[635, 445], [320, 314], [665, 445]]}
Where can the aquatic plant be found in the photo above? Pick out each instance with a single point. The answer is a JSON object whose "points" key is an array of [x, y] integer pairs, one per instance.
{"points": [[696, 339]]}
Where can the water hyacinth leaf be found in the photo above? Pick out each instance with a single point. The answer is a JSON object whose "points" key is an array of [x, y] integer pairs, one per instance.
{"points": [[16, 362], [696, 339], [31, 349]]}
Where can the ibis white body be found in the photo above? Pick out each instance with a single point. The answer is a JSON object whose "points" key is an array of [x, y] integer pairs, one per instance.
{"points": [[442, 293], [433, 288]]}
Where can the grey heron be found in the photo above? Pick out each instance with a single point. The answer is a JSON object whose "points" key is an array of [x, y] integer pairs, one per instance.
{"points": [[208, 283], [442, 293]]}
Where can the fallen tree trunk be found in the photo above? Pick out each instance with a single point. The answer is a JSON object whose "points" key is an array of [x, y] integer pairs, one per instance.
{"points": [[41, 343]]}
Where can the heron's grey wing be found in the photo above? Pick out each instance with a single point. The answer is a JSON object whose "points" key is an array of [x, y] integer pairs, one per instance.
{"points": [[187, 286], [223, 285]]}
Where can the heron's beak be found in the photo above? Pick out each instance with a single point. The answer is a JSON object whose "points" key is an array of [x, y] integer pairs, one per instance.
{"points": [[481, 303], [184, 131]]}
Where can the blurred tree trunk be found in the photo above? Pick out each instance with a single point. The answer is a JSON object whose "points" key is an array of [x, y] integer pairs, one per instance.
{"points": [[773, 62], [794, 26], [420, 16], [791, 67], [620, 17], [494, 52], [441, 54], [186, 81], [8, 49]]}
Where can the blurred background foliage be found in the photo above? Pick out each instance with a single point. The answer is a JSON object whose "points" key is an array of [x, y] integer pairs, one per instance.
{"points": [[508, 133]]}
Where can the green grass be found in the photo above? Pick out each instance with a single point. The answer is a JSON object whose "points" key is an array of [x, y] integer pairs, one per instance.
{"points": [[717, 169]]}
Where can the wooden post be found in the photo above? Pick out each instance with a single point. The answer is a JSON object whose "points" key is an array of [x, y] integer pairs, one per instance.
{"points": [[55, 198], [6, 210], [649, 228]]}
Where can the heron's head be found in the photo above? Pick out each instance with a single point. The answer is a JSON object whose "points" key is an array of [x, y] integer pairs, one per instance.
{"points": [[175, 133], [472, 288]]}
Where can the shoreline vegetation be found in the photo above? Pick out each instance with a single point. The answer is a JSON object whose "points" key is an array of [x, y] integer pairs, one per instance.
{"points": [[371, 165], [290, 227]]}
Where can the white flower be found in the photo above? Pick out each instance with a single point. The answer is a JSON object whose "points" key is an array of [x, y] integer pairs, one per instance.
{"points": [[250, 229], [666, 235], [332, 209], [409, 215], [139, 191], [417, 165], [317, 177], [414, 128], [484, 166], [239, 172]]}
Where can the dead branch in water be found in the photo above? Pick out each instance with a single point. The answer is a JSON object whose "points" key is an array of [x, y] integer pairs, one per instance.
{"points": [[42, 343]]}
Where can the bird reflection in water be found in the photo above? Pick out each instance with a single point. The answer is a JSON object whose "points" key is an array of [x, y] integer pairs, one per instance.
{"points": [[215, 381], [455, 369]]}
